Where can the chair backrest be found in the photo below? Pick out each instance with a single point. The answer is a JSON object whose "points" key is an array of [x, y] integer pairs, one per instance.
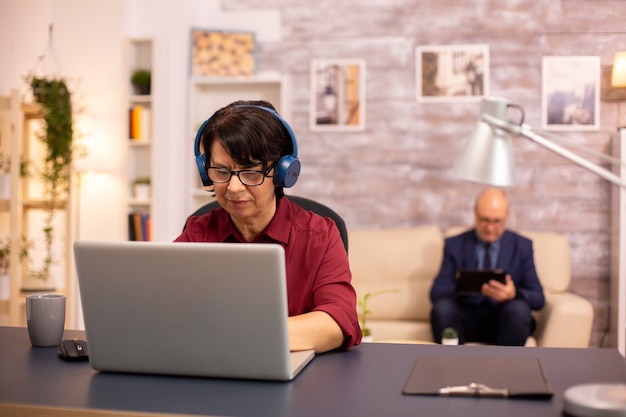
{"points": [[303, 202]]}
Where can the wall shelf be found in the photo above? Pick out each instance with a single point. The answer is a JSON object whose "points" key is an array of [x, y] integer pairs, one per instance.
{"points": [[139, 137]]}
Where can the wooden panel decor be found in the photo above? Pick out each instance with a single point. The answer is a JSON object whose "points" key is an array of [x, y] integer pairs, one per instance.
{"points": [[222, 54]]}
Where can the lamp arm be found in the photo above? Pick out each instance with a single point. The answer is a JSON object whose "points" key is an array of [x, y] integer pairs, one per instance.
{"points": [[525, 131], [583, 149], [607, 175]]}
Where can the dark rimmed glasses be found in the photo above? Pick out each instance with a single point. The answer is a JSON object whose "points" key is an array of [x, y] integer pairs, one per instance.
{"points": [[247, 176]]}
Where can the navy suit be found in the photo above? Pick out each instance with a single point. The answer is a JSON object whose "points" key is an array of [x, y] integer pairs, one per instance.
{"points": [[479, 318]]}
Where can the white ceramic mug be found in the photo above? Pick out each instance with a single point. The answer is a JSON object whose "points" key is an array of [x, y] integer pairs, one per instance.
{"points": [[45, 318]]}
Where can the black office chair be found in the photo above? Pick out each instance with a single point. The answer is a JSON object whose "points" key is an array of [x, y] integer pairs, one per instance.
{"points": [[303, 202]]}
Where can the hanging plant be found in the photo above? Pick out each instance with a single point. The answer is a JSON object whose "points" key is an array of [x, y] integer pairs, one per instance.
{"points": [[57, 137]]}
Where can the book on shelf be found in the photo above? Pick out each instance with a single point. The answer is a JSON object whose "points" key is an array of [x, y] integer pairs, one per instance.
{"points": [[139, 123], [139, 227]]}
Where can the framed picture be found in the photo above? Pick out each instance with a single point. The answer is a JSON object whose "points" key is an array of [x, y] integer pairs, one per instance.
{"points": [[337, 95], [216, 53], [570, 98], [448, 73]]}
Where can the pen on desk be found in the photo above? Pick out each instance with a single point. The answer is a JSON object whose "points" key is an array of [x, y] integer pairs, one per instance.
{"points": [[474, 389]]}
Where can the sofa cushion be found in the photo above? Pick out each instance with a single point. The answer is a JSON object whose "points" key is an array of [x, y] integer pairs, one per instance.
{"points": [[401, 264], [552, 260]]}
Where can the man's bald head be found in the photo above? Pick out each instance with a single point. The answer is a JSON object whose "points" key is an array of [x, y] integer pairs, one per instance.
{"points": [[491, 212]]}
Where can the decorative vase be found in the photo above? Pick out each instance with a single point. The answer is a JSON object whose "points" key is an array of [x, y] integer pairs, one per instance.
{"points": [[142, 89], [141, 192]]}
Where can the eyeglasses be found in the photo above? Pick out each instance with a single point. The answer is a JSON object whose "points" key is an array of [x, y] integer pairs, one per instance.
{"points": [[246, 176], [491, 222]]}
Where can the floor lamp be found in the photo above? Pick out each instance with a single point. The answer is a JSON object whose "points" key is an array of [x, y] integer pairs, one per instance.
{"points": [[488, 158]]}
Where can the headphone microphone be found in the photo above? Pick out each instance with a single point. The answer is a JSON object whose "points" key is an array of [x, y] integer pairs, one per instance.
{"points": [[287, 169]]}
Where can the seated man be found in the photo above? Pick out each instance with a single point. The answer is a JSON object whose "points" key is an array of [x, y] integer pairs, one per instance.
{"points": [[501, 313]]}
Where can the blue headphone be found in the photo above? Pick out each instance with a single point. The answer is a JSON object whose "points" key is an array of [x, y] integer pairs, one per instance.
{"points": [[287, 170]]}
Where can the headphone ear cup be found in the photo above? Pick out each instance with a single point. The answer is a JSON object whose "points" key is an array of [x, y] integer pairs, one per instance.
{"points": [[201, 158], [287, 171], [204, 176]]}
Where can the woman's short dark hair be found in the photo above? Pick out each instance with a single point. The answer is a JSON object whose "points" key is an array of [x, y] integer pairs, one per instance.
{"points": [[250, 135]]}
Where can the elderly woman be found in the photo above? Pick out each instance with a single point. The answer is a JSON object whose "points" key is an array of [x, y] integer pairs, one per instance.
{"points": [[250, 156]]}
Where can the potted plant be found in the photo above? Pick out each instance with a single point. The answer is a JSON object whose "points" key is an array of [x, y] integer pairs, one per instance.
{"points": [[58, 140], [449, 336], [141, 80], [141, 188], [364, 311]]}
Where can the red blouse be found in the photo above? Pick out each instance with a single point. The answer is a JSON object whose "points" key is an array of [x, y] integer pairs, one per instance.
{"points": [[318, 272]]}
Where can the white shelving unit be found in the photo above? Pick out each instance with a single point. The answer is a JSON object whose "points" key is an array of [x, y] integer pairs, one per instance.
{"points": [[139, 137], [618, 249], [210, 94]]}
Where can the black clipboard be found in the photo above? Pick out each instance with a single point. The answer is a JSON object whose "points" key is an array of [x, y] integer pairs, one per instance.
{"points": [[482, 377], [470, 281]]}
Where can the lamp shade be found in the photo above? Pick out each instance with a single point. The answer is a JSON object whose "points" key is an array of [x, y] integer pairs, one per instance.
{"points": [[618, 75], [487, 157]]}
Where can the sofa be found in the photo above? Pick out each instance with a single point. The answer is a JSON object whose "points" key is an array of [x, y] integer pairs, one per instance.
{"points": [[396, 267]]}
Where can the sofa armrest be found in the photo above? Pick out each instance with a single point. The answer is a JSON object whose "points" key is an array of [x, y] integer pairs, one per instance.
{"points": [[564, 321]]}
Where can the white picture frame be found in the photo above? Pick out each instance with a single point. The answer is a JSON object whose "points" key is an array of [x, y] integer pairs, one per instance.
{"points": [[451, 73], [570, 93], [337, 101]]}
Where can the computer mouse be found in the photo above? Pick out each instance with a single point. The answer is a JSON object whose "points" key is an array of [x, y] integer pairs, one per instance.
{"points": [[73, 350]]}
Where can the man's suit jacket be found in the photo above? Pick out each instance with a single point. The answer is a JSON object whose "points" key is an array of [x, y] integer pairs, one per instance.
{"points": [[516, 257]]}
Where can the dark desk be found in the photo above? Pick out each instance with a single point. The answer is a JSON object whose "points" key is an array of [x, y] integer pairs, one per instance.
{"points": [[366, 381]]}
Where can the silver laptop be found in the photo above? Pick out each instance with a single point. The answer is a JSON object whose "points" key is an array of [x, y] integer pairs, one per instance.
{"points": [[194, 309]]}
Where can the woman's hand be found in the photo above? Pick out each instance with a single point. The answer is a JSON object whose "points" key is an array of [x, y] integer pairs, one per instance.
{"points": [[315, 330]]}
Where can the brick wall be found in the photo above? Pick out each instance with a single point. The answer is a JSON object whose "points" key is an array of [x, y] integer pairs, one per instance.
{"points": [[396, 172]]}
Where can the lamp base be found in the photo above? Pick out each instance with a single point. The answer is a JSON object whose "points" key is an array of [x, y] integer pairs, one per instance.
{"points": [[596, 400]]}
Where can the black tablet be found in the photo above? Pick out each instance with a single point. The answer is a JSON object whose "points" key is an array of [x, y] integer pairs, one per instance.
{"points": [[470, 281]]}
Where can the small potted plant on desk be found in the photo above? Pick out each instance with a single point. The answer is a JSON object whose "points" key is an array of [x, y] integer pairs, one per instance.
{"points": [[449, 336]]}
